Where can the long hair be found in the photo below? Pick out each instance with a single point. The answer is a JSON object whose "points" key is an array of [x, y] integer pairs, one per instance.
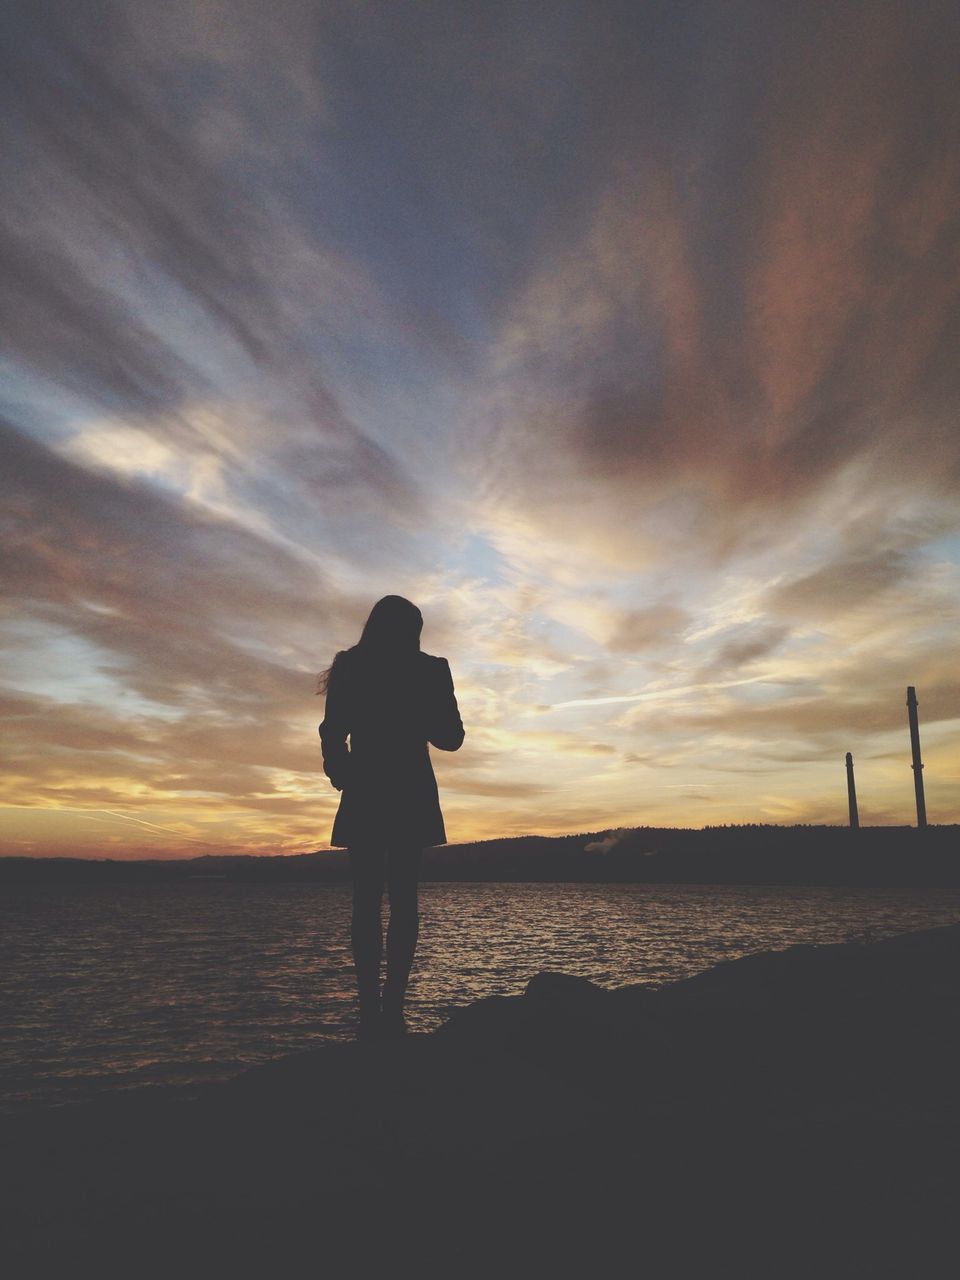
{"points": [[391, 634]]}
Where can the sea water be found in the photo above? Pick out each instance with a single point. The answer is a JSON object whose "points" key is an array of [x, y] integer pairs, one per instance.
{"points": [[110, 987]]}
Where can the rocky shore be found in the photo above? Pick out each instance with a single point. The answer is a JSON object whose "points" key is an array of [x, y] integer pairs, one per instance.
{"points": [[787, 1114]]}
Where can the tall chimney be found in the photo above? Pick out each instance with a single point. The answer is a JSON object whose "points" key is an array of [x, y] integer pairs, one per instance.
{"points": [[917, 762], [852, 793]]}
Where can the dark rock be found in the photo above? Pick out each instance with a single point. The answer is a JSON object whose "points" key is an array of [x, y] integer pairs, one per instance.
{"points": [[562, 987]]}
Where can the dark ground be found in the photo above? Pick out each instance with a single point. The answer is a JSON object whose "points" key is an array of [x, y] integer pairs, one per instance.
{"points": [[793, 1114]]}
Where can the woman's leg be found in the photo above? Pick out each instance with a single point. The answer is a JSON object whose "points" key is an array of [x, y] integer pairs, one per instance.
{"points": [[403, 873], [366, 928]]}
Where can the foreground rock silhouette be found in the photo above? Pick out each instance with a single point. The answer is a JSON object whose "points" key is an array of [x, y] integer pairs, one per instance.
{"points": [[785, 1114]]}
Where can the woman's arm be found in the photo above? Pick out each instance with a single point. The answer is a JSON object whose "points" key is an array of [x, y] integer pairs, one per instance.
{"points": [[335, 728], [444, 726]]}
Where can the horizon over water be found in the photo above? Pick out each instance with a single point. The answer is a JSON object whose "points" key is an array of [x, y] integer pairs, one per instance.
{"points": [[112, 987]]}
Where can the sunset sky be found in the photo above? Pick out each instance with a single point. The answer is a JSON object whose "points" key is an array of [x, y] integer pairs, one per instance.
{"points": [[623, 338]]}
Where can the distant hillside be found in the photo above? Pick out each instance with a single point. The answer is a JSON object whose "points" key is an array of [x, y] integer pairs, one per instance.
{"points": [[716, 855]]}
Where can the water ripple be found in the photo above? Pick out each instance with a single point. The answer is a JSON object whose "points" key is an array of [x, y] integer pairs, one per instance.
{"points": [[113, 987]]}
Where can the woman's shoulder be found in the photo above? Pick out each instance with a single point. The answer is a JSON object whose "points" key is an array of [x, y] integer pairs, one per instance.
{"points": [[435, 671], [344, 663], [432, 662]]}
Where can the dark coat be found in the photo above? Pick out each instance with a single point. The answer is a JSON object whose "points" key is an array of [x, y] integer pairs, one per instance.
{"points": [[385, 775]]}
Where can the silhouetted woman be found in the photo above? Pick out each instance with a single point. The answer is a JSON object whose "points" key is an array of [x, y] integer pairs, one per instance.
{"points": [[390, 700]]}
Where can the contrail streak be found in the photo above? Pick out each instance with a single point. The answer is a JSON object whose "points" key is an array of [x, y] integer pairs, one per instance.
{"points": [[141, 822], [673, 692]]}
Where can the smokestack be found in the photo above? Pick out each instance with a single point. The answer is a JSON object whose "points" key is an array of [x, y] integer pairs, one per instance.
{"points": [[917, 762], [852, 794]]}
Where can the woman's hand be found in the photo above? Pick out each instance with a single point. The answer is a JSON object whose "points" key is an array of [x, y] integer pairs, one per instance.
{"points": [[339, 773]]}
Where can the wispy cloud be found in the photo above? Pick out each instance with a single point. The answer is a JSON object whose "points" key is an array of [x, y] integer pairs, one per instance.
{"points": [[671, 694]]}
